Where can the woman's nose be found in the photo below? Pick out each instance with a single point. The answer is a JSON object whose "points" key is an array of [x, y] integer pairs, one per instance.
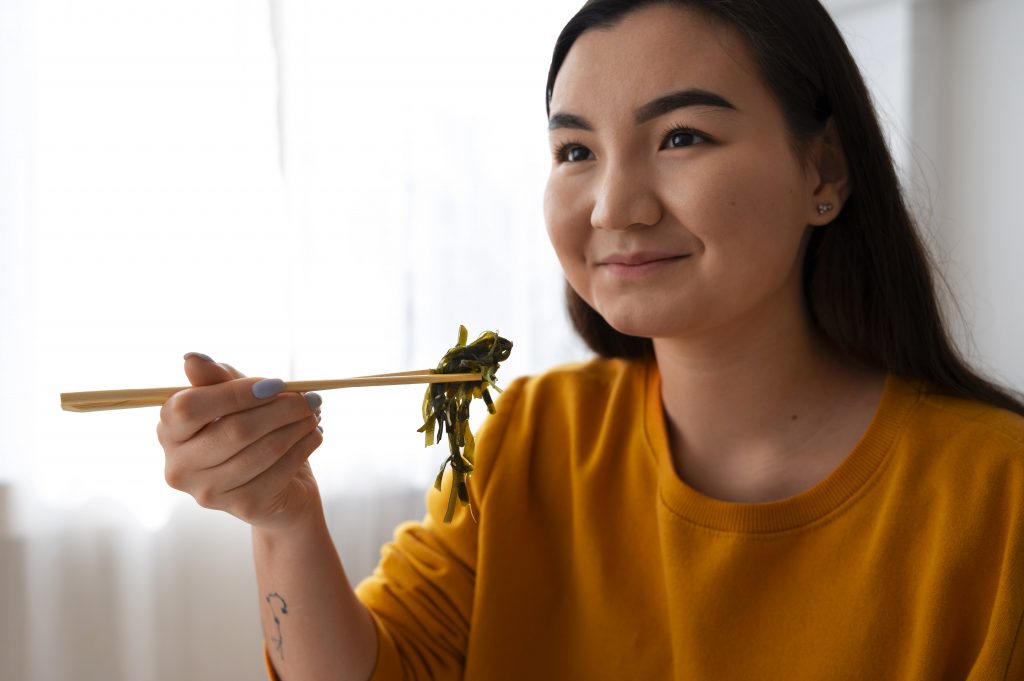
{"points": [[625, 198]]}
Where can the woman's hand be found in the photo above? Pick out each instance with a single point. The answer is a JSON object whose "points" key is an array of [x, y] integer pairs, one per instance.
{"points": [[240, 445]]}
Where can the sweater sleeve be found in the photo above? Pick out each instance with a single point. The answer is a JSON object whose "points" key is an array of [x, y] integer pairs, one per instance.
{"points": [[421, 594], [1015, 668]]}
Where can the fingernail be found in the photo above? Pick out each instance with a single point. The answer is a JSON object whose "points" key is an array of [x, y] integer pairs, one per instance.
{"points": [[205, 358], [320, 429], [268, 387], [313, 400]]}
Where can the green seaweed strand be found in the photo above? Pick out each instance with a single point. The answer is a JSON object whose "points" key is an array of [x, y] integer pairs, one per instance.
{"points": [[446, 406]]}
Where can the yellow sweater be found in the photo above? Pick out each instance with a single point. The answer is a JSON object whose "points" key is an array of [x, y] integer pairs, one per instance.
{"points": [[590, 559]]}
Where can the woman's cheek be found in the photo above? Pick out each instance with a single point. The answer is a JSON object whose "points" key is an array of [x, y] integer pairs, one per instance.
{"points": [[567, 222], [568, 235], [727, 205], [551, 208]]}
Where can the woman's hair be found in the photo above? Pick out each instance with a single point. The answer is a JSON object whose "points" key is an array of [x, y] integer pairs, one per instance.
{"points": [[867, 277]]}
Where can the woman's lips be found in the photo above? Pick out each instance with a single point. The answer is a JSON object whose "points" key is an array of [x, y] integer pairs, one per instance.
{"points": [[639, 264]]}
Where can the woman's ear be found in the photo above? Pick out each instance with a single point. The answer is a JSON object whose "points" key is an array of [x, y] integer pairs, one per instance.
{"points": [[831, 176]]}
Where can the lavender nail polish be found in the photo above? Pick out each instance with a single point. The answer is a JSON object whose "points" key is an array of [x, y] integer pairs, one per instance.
{"points": [[313, 400], [205, 358], [320, 429], [268, 387]]}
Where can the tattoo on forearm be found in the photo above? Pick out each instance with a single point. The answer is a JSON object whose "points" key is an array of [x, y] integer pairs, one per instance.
{"points": [[283, 610]]}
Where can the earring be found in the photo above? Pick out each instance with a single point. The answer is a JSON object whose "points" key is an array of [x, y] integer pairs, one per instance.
{"points": [[824, 208]]}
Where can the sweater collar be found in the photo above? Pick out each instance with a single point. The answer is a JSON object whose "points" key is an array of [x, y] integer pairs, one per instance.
{"points": [[865, 461]]}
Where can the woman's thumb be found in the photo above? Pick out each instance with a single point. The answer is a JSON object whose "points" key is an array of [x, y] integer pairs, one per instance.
{"points": [[201, 370]]}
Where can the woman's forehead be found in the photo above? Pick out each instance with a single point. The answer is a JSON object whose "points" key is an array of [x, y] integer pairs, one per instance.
{"points": [[650, 52]]}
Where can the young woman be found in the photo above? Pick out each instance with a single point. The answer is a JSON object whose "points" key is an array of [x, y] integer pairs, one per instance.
{"points": [[778, 467]]}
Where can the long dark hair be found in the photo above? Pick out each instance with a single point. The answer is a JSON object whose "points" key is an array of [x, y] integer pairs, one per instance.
{"points": [[867, 277]]}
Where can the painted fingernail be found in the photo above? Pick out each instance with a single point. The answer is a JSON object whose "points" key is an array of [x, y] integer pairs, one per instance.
{"points": [[313, 400], [205, 358], [268, 387], [320, 429]]}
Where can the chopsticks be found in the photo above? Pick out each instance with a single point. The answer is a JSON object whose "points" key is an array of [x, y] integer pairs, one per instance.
{"points": [[99, 400]]}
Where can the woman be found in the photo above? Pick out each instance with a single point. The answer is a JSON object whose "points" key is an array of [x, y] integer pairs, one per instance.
{"points": [[777, 469]]}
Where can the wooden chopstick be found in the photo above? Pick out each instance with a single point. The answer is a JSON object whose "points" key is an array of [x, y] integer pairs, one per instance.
{"points": [[98, 400]]}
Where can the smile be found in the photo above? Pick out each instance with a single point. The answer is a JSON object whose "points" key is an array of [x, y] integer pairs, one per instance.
{"points": [[639, 265]]}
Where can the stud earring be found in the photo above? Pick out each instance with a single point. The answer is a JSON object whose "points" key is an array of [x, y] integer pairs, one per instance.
{"points": [[824, 208]]}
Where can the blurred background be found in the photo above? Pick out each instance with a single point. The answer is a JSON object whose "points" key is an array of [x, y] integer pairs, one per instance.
{"points": [[314, 189]]}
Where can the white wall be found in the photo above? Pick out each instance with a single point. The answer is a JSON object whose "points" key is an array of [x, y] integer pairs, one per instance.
{"points": [[946, 75], [981, 147]]}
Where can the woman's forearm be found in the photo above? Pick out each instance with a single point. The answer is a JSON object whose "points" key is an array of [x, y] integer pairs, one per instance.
{"points": [[313, 624]]}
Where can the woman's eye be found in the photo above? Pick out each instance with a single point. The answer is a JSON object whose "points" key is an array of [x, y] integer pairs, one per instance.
{"points": [[574, 153], [682, 138]]}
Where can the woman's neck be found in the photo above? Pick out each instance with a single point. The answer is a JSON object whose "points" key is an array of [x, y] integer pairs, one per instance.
{"points": [[761, 416]]}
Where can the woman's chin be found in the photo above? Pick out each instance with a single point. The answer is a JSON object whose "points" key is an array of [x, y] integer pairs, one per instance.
{"points": [[642, 325]]}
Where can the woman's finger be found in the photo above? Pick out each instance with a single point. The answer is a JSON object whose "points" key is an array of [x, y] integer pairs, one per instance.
{"points": [[258, 457], [234, 373], [200, 369], [263, 495], [188, 411], [224, 438]]}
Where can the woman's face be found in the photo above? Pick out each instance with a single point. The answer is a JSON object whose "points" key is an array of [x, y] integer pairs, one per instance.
{"points": [[675, 203]]}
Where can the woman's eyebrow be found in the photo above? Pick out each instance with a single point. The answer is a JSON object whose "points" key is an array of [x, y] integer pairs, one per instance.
{"points": [[566, 120], [679, 100], [651, 110]]}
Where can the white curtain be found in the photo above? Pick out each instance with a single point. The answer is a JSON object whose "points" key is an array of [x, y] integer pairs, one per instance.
{"points": [[304, 190]]}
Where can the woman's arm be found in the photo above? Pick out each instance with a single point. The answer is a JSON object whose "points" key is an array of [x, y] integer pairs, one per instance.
{"points": [[313, 624], [241, 445]]}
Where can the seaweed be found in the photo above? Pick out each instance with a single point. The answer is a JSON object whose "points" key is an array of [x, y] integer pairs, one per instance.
{"points": [[446, 406]]}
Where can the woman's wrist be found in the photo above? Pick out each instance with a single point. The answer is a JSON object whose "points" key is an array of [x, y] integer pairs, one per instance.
{"points": [[309, 522]]}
